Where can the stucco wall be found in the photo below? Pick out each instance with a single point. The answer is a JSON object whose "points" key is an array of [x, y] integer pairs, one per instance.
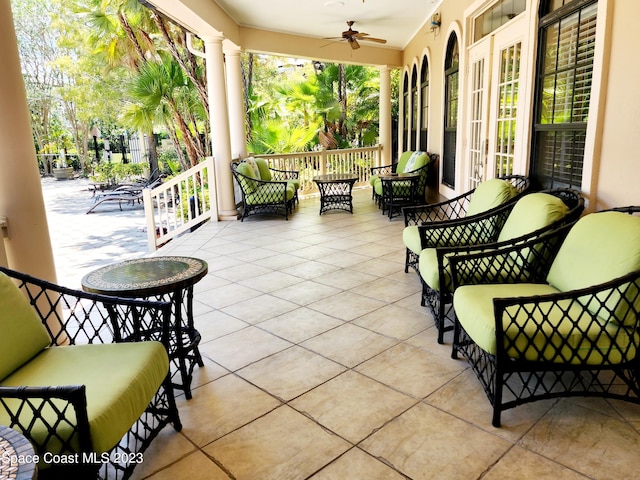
{"points": [[619, 173]]}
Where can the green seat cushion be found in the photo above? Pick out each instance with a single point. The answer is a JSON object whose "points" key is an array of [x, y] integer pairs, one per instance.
{"points": [[400, 188], [543, 333], [295, 182], [263, 167], [490, 194], [373, 179], [270, 194], [121, 380], [532, 212], [22, 334], [411, 238]]}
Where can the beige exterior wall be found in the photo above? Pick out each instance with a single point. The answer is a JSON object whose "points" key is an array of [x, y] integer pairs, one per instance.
{"points": [[618, 177]]}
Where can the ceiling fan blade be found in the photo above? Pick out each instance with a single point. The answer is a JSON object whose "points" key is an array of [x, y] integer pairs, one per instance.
{"points": [[353, 43], [373, 39]]}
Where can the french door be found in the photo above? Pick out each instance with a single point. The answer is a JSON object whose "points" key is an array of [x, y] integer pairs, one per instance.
{"points": [[496, 140]]}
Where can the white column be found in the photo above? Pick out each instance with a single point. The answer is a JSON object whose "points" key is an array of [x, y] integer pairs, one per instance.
{"points": [[385, 114], [28, 246], [236, 102], [219, 117]]}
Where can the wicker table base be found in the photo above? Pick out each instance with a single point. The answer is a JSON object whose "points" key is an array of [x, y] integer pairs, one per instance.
{"points": [[335, 191]]}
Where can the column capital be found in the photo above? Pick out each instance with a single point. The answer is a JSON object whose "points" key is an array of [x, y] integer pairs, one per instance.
{"points": [[213, 39]]}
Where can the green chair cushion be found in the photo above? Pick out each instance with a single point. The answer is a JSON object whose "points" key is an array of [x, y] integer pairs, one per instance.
{"points": [[399, 187], [22, 334], [402, 161], [600, 247], [490, 194], [263, 168], [373, 179], [555, 342], [245, 169], [121, 379], [295, 182], [532, 212], [269, 194], [411, 238], [428, 268], [254, 167]]}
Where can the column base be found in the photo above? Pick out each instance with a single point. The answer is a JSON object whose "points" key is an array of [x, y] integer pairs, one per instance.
{"points": [[228, 215]]}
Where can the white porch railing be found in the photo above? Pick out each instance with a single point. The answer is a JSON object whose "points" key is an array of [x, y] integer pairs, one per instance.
{"points": [[177, 205], [183, 202], [353, 160]]}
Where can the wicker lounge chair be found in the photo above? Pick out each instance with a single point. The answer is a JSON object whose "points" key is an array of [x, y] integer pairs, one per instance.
{"points": [[531, 216], [78, 377], [566, 324]]}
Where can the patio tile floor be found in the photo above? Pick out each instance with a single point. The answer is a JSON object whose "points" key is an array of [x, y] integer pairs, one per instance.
{"points": [[320, 363]]}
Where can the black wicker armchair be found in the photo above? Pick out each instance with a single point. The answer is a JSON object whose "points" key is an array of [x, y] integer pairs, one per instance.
{"points": [[456, 208], [531, 216], [557, 316], [266, 190], [80, 377]]}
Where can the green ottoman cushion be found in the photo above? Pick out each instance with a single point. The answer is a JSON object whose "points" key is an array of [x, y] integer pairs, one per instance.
{"points": [[121, 380], [22, 335], [490, 194]]}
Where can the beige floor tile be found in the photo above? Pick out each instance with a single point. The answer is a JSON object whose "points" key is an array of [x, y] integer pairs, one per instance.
{"points": [[393, 321], [214, 324], [282, 445], [344, 259], [167, 448], [228, 295], [243, 271], [306, 292], [352, 405], [300, 324], [356, 464], [259, 309], [220, 407], [310, 269], [290, 373], [349, 344], [591, 443], [345, 279], [196, 466], [347, 305], [279, 261], [521, 464], [271, 281], [386, 290], [425, 443], [243, 347], [202, 375], [411, 370], [464, 397]]}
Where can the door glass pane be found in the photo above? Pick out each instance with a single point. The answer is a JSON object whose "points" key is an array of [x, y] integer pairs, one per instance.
{"points": [[507, 109], [476, 148]]}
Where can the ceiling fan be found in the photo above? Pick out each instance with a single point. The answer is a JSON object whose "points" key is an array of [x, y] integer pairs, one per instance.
{"points": [[352, 36]]}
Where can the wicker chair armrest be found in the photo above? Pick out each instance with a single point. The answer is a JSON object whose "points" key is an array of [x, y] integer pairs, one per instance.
{"points": [[477, 229], [77, 317], [519, 261], [31, 408], [437, 212], [278, 174], [592, 314], [383, 169]]}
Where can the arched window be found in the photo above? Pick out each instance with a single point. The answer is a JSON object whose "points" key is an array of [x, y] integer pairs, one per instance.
{"points": [[424, 101], [414, 108], [405, 123], [451, 112]]}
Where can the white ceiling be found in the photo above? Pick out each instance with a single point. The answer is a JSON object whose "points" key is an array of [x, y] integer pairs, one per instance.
{"points": [[397, 21]]}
